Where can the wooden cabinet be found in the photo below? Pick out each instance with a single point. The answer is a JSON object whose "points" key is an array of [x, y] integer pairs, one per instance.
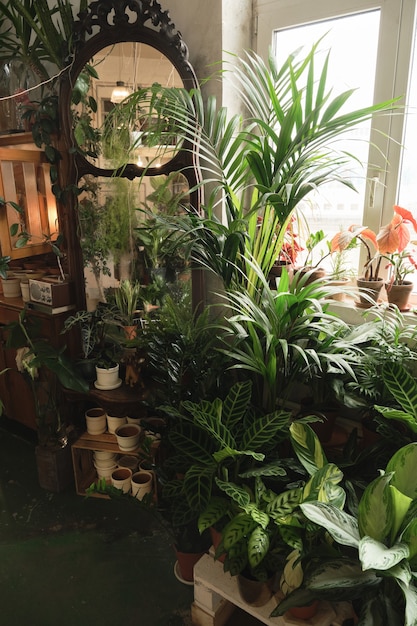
{"points": [[15, 391]]}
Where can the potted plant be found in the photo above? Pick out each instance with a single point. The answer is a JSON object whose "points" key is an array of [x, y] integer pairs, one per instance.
{"points": [[393, 240], [124, 306], [376, 548]]}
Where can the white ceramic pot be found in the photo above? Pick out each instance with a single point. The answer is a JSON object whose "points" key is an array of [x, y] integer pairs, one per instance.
{"points": [[141, 484], [107, 378], [113, 422], [129, 460], [96, 420], [11, 287], [128, 436], [121, 478], [24, 288], [133, 420], [105, 472], [102, 455], [104, 463]]}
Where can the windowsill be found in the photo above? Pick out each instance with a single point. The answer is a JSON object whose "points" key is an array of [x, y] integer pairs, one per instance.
{"points": [[354, 315]]}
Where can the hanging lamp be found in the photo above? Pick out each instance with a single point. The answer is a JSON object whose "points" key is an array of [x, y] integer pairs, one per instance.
{"points": [[119, 93]]}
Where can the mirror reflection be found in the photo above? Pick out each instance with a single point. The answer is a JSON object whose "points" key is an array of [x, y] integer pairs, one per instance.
{"points": [[123, 236], [112, 111]]}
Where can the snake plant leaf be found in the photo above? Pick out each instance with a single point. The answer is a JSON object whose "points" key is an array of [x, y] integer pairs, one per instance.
{"points": [[403, 464], [375, 511], [258, 546], [266, 430], [215, 510], [375, 555], [341, 526], [307, 447], [238, 494], [240, 526], [236, 404], [198, 482]]}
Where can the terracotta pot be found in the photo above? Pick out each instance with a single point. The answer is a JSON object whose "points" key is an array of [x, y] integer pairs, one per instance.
{"points": [[369, 291], [255, 592], [339, 296], [399, 294], [304, 612], [130, 332], [186, 562], [317, 273], [216, 538]]}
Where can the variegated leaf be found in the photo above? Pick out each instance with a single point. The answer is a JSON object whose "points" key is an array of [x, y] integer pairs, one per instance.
{"points": [[409, 536], [238, 494], [227, 452], [341, 526], [307, 447], [214, 427], [403, 464], [257, 515], [258, 546], [284, 503], [291, 537], [215, 510], [191, 442], [400, 504], [339, 574], [238, 527], [263, 432], [315, 489], [236, 403], [375, 511], [270, 469], [375, 555], [410, 595]]}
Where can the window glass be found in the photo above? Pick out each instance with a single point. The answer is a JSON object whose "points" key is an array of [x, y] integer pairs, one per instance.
{"points": [[352, 41]]}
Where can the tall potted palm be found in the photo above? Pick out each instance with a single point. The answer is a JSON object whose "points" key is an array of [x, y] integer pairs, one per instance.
{"points": [[261, 166]]}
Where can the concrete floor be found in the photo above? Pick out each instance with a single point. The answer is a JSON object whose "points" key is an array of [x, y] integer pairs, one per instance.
{"points": [[69, 560]]}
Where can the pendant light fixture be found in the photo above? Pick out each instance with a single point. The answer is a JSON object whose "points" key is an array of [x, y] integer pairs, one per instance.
{"points": [[119, 93]]}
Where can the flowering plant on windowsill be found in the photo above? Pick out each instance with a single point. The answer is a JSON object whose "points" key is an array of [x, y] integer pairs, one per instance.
{"points": [[393, 240]]}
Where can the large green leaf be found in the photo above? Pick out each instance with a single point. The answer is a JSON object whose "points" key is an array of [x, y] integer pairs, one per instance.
{"points": [[401, 505], [401, 385], [375, 555], [198, 482], [342, 526], [236, 404], [323, 486], [339, 576], [215, 428], [215, 510], [307, 447], [191, 442], [236, 493], [262, 433], [240, 526], [284, 503], [409, 536], [403, 465], [376, 516], [258, 546]]}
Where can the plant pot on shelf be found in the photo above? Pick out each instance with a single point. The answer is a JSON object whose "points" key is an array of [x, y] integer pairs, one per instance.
{"points": [[184, 567], [369, 291], [255, 592], [107, 379], [113, 422], [312, 274], [399, 294], [304, 612], [142, 482], [337, 295], [128, 436], [11, 287], [96, 420]]}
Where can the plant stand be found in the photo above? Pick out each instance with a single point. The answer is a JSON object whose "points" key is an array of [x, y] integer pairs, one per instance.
{"points": [[216, 596], [55, 471]]}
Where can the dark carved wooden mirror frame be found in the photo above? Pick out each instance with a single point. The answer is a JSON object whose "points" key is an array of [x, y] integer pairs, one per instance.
{"points": [[104, 23]]}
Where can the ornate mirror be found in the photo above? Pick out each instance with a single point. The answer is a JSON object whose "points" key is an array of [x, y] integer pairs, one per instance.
{"points": [[122, 49]]}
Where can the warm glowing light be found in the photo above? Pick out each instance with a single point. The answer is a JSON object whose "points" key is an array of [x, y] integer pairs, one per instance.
{"points": [[119, 93]]}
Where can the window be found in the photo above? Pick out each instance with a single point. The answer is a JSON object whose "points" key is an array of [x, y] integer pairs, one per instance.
{"points": [[371, 45]]}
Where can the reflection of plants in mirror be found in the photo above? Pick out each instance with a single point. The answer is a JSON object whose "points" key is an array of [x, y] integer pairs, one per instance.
{"points": [[119, 216], [126, 298], [5, 259], [93, 244]]}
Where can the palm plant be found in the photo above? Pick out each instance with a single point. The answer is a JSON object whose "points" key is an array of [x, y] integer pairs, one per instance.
{"points": [[260, 167]]}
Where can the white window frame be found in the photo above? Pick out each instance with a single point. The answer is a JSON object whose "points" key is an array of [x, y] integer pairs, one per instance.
{"points": [[395, 46]]}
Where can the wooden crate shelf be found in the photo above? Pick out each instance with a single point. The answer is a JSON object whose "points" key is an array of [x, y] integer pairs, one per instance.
{"points": [[83, 460], [216, 595]]}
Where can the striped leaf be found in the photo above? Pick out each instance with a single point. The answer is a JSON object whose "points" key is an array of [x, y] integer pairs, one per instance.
{"points": [[239, 527], [270, 469], [409, 537], [375, 511], [215, 510], [403, 464], [284, 503], [291, 537], [401, 385], [214, 427], [265, 431], [236, 403], [307, 447], [340, 575], [198, 483], [341, 526], [191, 442], [258, 546], [260, 517], [236, 558], [225, 453], [375, 555], [236, 493], [323, 486]]}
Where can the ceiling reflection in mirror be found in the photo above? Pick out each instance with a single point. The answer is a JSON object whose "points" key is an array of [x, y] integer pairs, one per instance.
{"points": [[125, 234], [114, 120]]}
